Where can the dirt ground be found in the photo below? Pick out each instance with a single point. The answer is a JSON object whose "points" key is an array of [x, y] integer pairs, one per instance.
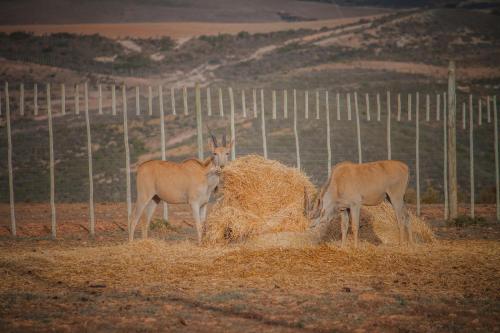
{"points": [[170, 284]]}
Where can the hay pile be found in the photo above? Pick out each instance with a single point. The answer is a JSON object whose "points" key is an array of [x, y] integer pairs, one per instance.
{"points": [[259, 197]]}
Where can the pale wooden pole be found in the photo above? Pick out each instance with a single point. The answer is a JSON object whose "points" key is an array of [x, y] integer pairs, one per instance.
{"points": [[367, 103], [338, 106], [274, 104], [480, 107], [497, 175], [172, 99], [488, 109], [113, 99], [199, 121], [389, 152], [445, 161], [127, 155], [209, 102], [285, 104], [150, 100], [306, 104], [137, 101], [263, 124], [328, 139], [221, 104], [243, 103], [163, 142], [254, 95], [438, 107], [35, 100], [349, 106], [295, 131], [89, 155], [464, 108], [452, 142], [471, 157], [99, 97], [378, 107], [77, 99], [417, 150], [409, 107], [185, 98], [233, 131], [1, 103], [51, 165], [21, 99], [399, 107], [358, 129], [63, 99], [13, 229], [427, 108], [317, 104]]}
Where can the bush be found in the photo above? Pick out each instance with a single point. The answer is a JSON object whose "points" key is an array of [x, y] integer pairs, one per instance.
{"points": [[431, 195], [465, 221]]}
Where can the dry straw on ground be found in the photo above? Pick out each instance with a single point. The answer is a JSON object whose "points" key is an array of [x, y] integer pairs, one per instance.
{"points": [[263, 201]]}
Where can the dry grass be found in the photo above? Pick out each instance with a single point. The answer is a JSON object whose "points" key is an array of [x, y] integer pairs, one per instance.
{"points": [[259, 196]]}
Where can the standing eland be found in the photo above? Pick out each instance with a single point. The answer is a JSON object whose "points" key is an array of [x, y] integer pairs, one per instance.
{"points": [[191, 181], [352, 185]]}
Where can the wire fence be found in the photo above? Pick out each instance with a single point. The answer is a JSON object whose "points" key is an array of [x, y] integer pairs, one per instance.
{"points": [[82, 142]]}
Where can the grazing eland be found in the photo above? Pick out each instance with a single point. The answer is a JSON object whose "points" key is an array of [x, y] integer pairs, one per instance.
{"points": [[352, 185], [191, 181]]}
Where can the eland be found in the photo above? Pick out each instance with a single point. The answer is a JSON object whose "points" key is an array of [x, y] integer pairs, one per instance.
{"points": [[351, 186], [189, 182]]}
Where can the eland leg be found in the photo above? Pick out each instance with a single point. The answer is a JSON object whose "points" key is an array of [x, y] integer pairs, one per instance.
{"points": [[136, 216], [398, 205], [150, 210], [195, 208], [355, 211], [344, 225]]}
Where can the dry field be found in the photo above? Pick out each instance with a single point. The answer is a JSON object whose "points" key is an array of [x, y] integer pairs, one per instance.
{"points": [[169, 283]]}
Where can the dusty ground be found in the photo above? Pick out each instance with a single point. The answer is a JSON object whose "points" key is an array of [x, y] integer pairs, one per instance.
{"points": [[77, 284]]}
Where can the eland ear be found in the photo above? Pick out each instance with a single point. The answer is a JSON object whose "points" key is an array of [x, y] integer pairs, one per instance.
{"points": [[224, 141], [211, 146], [231, 143]]}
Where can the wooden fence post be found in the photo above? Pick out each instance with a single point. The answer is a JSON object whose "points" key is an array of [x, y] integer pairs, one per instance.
{"points": [[77, 99], [471, 157], [349, 106], [338, 106], [389, 153], [21, 99], [285, 104], [127, 155], [464, 108], [185, 97], [13, 229], [367, 103], [417, 150], [1, 103], [63, 100], [452, 142], [480, 117], [328, 142], [378, 107], [163, 141], [172, 99], [274, 103], [263, 124], [427, 108], [254, 93], [113, 99], [295, 132], [497, 175], [51, 165], [306, 104], [488, 109], [89, 155], [150, 100], [99, 93], [35, 101], [317, 104], [199, 121], [399, 107], [438, 106], [409, 107], [233, 131], [358, 129], [221, 104], [137, 101], [445, 162], [209, 102], [243, 103]]}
